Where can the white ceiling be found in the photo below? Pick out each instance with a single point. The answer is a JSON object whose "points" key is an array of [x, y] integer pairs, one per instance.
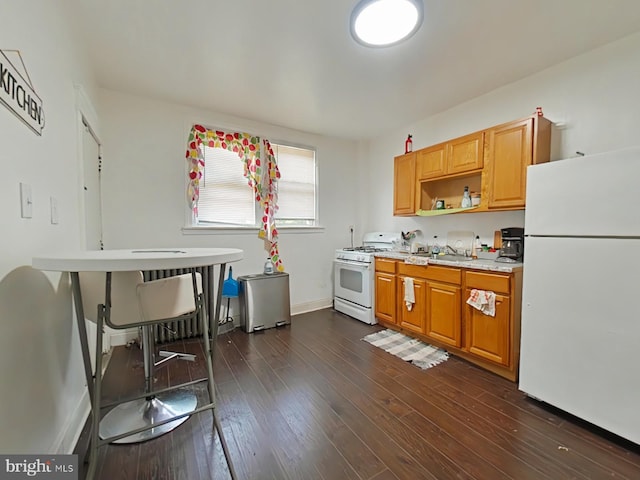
{"points": [[293, 62]]}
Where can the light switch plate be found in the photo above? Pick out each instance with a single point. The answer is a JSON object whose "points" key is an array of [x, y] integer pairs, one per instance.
{"points": [[54, 210], [26, 201]]}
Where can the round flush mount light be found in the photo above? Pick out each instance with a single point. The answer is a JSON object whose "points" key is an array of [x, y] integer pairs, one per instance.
{"points": [[382, 23]]}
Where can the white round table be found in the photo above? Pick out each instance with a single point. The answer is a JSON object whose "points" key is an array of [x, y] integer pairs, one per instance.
{"points": [[136, 259]]}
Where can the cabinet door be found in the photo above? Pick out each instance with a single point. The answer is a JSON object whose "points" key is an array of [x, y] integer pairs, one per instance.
{"points": [[465, 154], [486, 336], [510, 153], [404, 184], [443, 313], [412, 319], [385, 291], [430, 162]]}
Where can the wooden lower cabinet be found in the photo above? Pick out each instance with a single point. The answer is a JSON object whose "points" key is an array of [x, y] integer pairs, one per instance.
{"points": [[443, 313], [385, 304], [386, 290], [441, 316], [489, 337], [413, 319]]}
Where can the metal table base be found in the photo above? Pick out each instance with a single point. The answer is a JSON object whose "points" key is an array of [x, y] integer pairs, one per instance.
{"points": [[145, 413]]}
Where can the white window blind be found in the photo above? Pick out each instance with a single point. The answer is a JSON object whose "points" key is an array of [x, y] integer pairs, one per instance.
{"points": [[297, 185], [225, 196]]}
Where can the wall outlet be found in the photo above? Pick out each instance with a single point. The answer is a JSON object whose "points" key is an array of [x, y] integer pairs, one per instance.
{"points": [[351, 228], [26, 201]]}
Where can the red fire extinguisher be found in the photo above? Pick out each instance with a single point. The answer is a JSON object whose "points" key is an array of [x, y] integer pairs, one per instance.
{"points": [[408, 145]]}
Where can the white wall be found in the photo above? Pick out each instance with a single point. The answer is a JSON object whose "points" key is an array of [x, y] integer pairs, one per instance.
{"points": [[41, 378], [593, 99], [144, 187]]}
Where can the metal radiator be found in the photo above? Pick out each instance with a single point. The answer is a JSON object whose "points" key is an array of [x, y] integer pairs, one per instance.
{"points": [[171, 331]]}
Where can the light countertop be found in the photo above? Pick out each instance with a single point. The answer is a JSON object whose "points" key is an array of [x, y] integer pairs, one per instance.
{"points": [[478, 264]]}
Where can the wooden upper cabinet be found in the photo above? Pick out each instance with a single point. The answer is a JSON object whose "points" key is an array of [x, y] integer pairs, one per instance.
{"points": [[430, 162], [492, 162], [512, 148], [465, 154], [404, 184], [510, 153]]}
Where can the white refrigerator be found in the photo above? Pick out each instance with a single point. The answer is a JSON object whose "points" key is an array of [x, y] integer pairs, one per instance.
{"points": [[580, 338]]}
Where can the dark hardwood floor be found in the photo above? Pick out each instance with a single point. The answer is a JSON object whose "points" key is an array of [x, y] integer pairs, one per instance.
{"points": [[314, 401]]}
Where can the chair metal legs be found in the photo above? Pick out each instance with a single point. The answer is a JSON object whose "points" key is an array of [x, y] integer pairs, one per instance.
{"points": [[156, 411], [208, 352]]}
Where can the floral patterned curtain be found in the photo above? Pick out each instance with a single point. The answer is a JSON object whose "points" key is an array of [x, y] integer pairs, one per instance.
{"points": [[263, 181]]}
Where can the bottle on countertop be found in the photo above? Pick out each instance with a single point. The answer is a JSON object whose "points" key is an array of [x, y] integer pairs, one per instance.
{"points": [[435, 247], [476, 247], [268, 267], [466, 198]]}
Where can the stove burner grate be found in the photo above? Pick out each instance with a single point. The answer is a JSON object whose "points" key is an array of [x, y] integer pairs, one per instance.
{"points": [[363, 249]]}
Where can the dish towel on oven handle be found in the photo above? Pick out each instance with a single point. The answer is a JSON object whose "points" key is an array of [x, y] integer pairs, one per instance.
{"points": [[409, 294], [484, 301]]}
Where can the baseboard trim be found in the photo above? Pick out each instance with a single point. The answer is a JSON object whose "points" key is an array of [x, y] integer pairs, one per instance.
{"points": [[311, 306], [70, 435], [123, 337]]}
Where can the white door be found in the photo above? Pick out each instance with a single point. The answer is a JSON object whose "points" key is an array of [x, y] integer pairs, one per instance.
{"points": [[92, 196], [92, 166]]}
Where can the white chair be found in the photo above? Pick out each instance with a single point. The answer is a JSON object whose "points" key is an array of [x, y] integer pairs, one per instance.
{"points": [[124, 300]]}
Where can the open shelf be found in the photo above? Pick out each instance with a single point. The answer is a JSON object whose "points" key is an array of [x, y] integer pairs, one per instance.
{"points": [[446, 211], [450, 190]]}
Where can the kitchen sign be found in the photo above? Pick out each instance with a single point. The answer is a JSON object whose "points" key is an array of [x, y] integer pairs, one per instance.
{"points": [[18, 95]]}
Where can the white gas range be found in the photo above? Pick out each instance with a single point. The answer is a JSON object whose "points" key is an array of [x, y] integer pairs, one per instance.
{"points": [[354, 275]]}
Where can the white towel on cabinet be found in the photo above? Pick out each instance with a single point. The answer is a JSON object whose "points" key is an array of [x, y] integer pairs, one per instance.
{"points": [[409, 294], [485, 301]]}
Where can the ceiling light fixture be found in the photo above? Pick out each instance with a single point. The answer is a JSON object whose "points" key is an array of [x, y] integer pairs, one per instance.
{"points": [[381, 23]]}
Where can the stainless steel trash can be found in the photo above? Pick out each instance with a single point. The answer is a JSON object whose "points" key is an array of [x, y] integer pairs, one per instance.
{"points": [[264, 301]]}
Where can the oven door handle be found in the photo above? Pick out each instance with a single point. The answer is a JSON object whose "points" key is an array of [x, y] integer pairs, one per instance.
{"points": [[360, 265]]}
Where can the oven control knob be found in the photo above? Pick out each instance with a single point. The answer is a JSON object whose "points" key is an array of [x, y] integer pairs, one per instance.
{"points": [[360, 258]]}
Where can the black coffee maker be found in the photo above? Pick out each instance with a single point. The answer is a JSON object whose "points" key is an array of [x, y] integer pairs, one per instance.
{"points": [[512, 249]]}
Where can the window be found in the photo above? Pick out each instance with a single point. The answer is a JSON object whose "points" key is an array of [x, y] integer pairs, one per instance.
{"points": [[297, 185], [227, 200]]}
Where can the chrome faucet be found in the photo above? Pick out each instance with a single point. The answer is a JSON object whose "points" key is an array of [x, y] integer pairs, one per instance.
{"points": [[458, 253], [449, 248]]}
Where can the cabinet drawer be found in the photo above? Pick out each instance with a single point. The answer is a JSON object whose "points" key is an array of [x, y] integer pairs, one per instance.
{"points": [[386, 265], [488, 281], [431, 272]]}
